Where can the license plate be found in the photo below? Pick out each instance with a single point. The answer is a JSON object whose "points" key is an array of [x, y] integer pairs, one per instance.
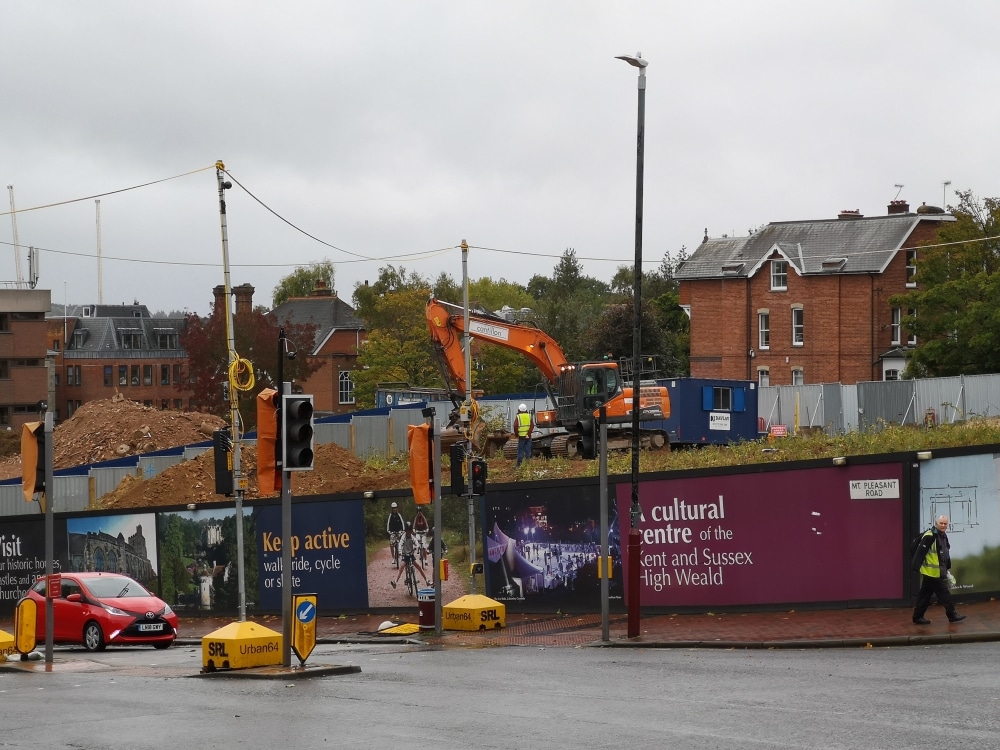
{"points": [[150, 627]]}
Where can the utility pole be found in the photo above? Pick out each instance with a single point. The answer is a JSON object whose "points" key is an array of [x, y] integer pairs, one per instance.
{"points": [[467, 410], [239, 481]]}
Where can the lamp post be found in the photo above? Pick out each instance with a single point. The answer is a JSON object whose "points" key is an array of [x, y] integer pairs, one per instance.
{"points": [[635, 512]]}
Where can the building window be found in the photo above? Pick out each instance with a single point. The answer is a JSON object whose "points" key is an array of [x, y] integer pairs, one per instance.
{"points": [[798, 326], [891, 375], [5, 369], [911, 339], [896, 327], [109, 376], [346, 388], [911, 268], [764, 330], [722, 399], [134, 380], [55, 345], [763, 377], [798, 376], [164, 376], [130, 338], [164, 404], [177, 404], [73, 375], [4, 321], [177, 374], [122, 375], [779, 275], [147, 374], [166, 340]]}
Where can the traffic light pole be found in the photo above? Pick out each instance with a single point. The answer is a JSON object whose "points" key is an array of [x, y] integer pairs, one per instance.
{"points": [[49, 538]]}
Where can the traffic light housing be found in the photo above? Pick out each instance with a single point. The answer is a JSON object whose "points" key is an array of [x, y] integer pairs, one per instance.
{"points": [[297, 433], [268, 452], [32, 459], [222, 449], [421, 470], [459, 484], [478, 476]]}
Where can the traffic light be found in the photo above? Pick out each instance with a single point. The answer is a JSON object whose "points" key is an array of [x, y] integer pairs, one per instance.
{"points": [[297, 433], [421, 474], [268, 477], [32, 459], [222, 447], [478, 476]]}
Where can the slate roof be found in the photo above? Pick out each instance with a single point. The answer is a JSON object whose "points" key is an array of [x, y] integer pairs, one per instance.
{"points": [[103, 332], [326, 312], [847, 246]]}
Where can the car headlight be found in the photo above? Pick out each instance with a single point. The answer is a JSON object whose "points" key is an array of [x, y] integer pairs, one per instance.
{"points": [[167, 610], [115, 610]]}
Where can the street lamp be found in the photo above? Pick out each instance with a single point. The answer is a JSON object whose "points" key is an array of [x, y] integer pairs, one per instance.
{"points": [[635, 511]]}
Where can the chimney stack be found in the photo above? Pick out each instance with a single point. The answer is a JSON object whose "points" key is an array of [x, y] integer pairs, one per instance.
{"points": [[244, 299], [850, 215], [898, 207]]}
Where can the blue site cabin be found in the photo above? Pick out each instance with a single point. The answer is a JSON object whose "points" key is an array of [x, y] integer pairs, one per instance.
{"points": [[707, 411]]}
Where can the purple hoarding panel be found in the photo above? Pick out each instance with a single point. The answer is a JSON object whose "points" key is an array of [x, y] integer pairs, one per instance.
{"points": [[818, 535]]}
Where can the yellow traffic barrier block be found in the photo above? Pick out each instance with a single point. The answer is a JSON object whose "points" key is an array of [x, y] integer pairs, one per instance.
{"points": [[473, 612], [240, 645], [6, 645]]}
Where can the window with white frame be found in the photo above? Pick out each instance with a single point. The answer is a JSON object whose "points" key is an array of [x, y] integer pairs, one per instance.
{"points": [[911, 339], [763, 329], [346, 388], [798, 326], [763, 377], [891, 375], [896, 327], [911, 268], [779, 275], [798, 376]]}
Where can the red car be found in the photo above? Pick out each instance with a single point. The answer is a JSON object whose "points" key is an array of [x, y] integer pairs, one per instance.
{"points": [[101, 609]]}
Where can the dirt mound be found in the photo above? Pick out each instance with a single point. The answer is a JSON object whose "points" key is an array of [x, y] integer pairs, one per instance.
{"points": [[193, 481], [114, 428]]}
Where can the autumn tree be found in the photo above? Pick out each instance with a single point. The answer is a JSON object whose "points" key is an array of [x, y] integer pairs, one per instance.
{"points": [[256, 340], [956, 307], [301, 281]]}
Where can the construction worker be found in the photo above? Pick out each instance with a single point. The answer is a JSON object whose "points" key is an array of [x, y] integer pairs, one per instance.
{"points": [[524, 425]]}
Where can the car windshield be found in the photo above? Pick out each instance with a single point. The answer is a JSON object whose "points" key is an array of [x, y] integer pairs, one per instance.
{"points": [[115, 587]]}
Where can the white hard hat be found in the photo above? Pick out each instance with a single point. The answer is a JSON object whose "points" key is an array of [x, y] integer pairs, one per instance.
{"points": [[522, 407], [394, 505]]}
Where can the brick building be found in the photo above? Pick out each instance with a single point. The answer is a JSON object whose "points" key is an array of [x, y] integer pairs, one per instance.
{"points": [[339, 333], [806, 301], [24, 374], [102, 350]]}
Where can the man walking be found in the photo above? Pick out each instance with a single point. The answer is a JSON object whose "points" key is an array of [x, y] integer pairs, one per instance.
{"points": [[933, 560]]}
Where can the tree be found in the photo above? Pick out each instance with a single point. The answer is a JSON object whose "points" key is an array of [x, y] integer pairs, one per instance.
{"points": [[613, 333], [302, 281], [955, 312], [255, 339]]}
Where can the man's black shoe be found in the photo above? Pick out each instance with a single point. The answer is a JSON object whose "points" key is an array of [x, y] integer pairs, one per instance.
{"points": [[921, 621], [956, 618]]}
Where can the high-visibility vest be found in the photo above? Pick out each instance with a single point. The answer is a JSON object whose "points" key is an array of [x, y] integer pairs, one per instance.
{"points": [[523, 424], [932, 562]]}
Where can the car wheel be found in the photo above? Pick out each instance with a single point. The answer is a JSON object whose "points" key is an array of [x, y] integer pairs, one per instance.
{"points": [[93, 637], [162, 645]]}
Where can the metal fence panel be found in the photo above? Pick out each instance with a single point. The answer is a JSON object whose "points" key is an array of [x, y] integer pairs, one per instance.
{"points": [[371, 436], [887, 402], [399, 421], [937, 399], [107, 479], [334, 432], [150, 466], [982, 395]]}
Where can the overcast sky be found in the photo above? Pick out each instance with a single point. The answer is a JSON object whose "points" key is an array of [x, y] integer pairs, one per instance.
{"points": [[392, 131]]}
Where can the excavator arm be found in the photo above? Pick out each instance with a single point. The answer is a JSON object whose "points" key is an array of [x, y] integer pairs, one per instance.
{"points": [[447, 326]]}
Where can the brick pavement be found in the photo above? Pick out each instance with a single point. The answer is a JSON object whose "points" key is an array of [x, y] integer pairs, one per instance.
{"points": [[856, 627]]}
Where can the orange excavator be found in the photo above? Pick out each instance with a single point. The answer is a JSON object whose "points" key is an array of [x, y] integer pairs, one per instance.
{"points": [[577, 390]]}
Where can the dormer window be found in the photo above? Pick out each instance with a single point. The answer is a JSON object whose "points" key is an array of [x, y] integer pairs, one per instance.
{"points": [[779, 275], [732, 269], [833, 264]]}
